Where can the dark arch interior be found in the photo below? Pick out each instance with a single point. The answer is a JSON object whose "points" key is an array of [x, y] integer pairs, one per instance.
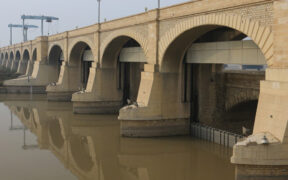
{"points": [[83, 66], [18, 56], [11, 56], [34, 56], [240, 118], [6, 56], [55, 61], [202, 86], [80, 151], [128, 73], [26, 56]]}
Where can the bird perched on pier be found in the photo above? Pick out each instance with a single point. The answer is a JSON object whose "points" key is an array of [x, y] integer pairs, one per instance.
{"points": [[246, 131]]}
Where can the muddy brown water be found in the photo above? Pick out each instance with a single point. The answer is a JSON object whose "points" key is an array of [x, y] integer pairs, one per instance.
{"points": [[45, 140]]}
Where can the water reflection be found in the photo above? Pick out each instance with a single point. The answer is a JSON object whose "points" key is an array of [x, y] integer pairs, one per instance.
{"points": [[91, 148]]}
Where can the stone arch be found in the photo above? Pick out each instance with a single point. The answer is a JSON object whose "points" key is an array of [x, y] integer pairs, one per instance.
{"points": [[52, 47], [11, 56], [239, 97], [79, 67], [54, 54], [34, 54], [81, 40], [78, 48], [124, 33], [17, 55], [6, 56], [261, 35], [26, 55]]}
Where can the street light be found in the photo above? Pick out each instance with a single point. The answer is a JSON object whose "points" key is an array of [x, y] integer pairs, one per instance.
{"points": [[99, 1], [159, 4]]}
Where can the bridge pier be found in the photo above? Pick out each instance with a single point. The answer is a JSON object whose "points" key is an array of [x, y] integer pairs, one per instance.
{"points": [[8, 64], [156, 114], [29, 69], [66, 85], [38, 81], [99, 97], [22, 67], [271, 124]]}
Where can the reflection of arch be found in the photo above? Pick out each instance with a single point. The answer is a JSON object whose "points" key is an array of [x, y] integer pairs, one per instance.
{"points": [[55, 133], [18, 108], [80, 152], [26, 112], [178, 35], [122, 37]]}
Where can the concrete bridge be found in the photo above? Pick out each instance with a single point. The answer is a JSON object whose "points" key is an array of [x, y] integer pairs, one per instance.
{"points": [[156, 58]]}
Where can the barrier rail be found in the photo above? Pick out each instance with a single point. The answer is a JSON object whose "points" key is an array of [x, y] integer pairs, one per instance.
{"points": [[215, 135]]}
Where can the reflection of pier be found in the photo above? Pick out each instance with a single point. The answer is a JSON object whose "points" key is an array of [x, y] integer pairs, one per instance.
{"points": [[14, 127], [91, 147]]}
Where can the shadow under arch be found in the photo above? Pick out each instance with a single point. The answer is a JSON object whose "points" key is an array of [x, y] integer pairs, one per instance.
{"points": [[55, 59], [34, 55], [126, 70], [81, 58], [194, 87], [240, 117], [11, 59]]}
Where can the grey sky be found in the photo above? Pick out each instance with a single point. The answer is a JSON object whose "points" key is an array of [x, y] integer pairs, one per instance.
{"points": [[72, 13]]}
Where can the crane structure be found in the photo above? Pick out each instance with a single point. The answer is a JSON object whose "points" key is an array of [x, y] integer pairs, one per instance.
{"points": [[25, 30], [48, 19]]}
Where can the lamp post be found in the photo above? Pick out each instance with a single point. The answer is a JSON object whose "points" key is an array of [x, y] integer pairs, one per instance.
{"points": [[159, 4], [99, 1]]}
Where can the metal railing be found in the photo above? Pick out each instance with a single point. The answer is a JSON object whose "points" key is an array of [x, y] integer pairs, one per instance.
{"points": [[218, 136]]}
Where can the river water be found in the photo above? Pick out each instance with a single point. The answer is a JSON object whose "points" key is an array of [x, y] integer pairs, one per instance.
{"points": [[45, 140]]}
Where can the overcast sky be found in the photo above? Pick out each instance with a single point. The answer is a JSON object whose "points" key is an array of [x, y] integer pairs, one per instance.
{"points": [[72, 13]]}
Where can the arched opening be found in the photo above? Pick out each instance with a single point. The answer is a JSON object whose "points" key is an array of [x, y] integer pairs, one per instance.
{"points": [[11, 58], [81, 152], [126, 56], [34, 55], [16, 61], [22, 68], [2, 58], [30, 64], [193, 65], [81, 57], [55, 60], [5, 60]]}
